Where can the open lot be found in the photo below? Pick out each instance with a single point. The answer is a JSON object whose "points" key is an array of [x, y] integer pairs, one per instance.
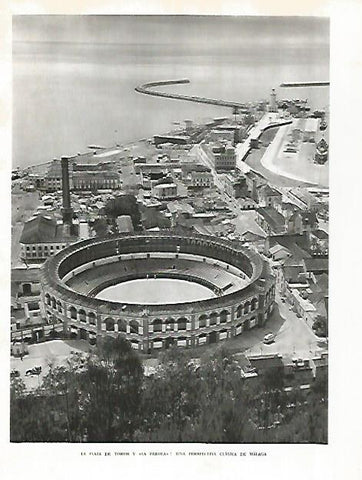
{"points": [[292, 335], [297, 166], [42, 354], [257, 161]]}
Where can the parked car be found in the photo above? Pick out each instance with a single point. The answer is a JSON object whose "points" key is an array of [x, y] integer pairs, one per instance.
{"points": [[33, 371], [269, 338]]}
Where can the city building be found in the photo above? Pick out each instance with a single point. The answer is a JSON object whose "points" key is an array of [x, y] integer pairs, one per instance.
{"points": [[303, 199], [99, 178], [269, 197], [270, 220], [42, 237], [302, 221], [310, 129], [315, 265], [253, 181], [124, 224], [321, 154], [240, 187], [197, 176], [287, 209], [222, 135], [319, 242], [224, 158], [92, 176], [165, 191], [254, 138]]}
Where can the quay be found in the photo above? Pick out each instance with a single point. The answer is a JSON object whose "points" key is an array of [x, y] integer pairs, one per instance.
{"points": [[304, 84], [147, 89]]}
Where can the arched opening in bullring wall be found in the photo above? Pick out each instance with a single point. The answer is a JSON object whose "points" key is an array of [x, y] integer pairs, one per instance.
{"points": [[59, 306], [213, 318], [170, 324], [73, 332], [224, 316], [109, 325], [169, 342], [212, 337], [157, 325], [82, 316], [254, 303], [202, 321], [134, 327], [54, 303], [47, 298], [92, 318], [181, 323], [26, 289], [122, 325], [83, 334]]}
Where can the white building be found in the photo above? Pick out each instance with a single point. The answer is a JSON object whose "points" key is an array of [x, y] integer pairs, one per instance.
{"points": [[165, 191]]}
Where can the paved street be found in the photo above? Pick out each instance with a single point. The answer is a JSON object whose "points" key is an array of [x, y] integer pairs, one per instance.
{"points": [[293, 335], [206, 160]]}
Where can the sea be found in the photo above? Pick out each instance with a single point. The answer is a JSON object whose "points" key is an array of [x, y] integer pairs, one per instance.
{"points": [[70, 91]]}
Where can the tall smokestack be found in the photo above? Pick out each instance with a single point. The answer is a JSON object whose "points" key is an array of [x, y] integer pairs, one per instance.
{"points": [[67, 210]]}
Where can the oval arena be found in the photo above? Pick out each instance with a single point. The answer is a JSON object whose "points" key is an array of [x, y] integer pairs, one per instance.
{"points": [[239, 288]]}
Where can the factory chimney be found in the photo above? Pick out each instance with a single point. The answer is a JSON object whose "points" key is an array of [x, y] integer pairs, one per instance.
{"points": [[67, 210]]}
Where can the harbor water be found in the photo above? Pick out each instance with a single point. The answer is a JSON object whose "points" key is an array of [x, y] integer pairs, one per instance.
{"points": [[74, 77]]}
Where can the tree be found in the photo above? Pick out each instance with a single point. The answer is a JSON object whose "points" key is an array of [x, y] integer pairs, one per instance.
{"points": [[111, 391], [33, 416], [94, 398], [124, 205], [100, 226], [320, 326]]}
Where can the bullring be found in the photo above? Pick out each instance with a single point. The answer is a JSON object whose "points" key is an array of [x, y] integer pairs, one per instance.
{"points": [[243, 287]]}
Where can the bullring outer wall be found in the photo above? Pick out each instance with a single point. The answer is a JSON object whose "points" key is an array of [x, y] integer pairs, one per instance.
{"points": [[152, 327]]}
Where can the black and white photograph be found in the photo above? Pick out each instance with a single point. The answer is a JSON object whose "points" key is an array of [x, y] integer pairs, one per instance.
{"points": [[170, 229]]}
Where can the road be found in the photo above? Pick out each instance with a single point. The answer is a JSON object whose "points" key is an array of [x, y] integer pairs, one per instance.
{"points": [[207, 161]]}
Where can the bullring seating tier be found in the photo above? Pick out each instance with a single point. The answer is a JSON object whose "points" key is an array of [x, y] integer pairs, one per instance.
{"points": [[92, 281]]}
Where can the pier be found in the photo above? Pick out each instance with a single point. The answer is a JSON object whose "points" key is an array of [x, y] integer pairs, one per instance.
{"points": [[147, 89], [304, 84]]}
